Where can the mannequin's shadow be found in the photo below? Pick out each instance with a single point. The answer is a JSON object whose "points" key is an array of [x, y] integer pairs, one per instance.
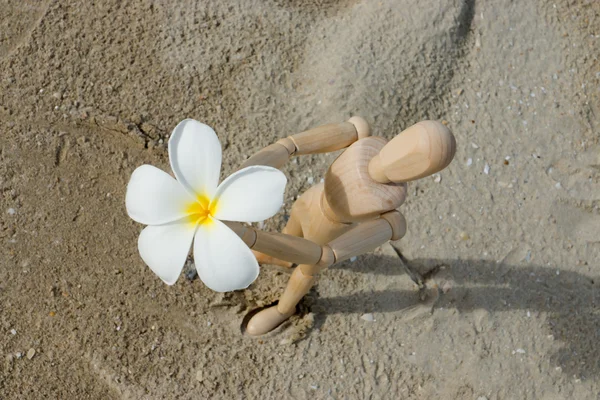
{"points": [[570, 300]]}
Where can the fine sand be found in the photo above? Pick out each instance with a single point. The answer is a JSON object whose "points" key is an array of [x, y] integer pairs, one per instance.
{"points": [[509, 238]]}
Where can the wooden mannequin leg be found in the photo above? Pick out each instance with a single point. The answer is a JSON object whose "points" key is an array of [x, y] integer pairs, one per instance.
{"points": [[269, 318], [293, 226]]}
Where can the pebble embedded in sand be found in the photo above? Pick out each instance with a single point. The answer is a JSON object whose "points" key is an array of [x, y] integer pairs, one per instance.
{"points": [[13, 331], [30, 353], [11, 211], [368, 317]]}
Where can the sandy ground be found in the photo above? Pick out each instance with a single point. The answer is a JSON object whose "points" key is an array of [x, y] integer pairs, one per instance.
{"points": [[511, 234]]}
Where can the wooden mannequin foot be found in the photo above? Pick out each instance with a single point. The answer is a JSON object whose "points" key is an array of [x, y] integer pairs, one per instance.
{"points": [[266, 320], [265, 259]]}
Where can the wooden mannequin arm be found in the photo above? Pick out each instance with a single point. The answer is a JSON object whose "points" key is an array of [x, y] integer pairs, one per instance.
{"points": [[311, 257], [368, 235], [359, 240], [279, 245], [275, 155], [324, 139], [330, 137]]}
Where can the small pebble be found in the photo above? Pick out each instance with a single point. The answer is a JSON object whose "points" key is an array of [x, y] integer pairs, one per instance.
{"points": [[469, 162], [474, 145], [11, 211], [486, 169], [446, 287], [437, 178], [13, 331], [464, 236], [18, 354], [352, 259], [30, 353], [310, 180], [520, 351], [368, 317], [191, 273]]}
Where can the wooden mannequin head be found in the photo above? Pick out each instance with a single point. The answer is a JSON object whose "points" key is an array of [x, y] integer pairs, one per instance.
{"points": [[369, 178], [421, 150]]}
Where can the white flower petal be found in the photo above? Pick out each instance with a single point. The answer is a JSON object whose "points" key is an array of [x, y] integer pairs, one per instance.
{"points": [[155, 197], [223, 261], [164, 248], [250, 195], [195, 156]]}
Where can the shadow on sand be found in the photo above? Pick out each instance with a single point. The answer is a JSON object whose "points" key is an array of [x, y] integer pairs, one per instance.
{"points": [[570, 300]]}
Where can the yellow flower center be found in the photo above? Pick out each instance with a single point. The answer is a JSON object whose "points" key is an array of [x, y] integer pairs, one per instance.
{"points": [[200, 210]]}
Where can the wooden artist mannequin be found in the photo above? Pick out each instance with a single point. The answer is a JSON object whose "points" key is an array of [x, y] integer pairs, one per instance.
{"points": [[352, 212]]}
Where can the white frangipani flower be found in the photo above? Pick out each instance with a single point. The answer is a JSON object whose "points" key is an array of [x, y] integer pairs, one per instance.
{"points": [[191, 207]]}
